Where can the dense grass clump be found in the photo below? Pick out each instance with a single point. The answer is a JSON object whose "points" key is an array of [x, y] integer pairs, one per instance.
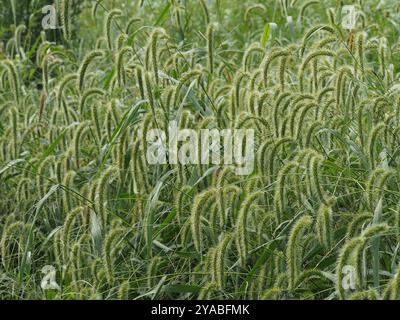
{"points": [[78, 194]]}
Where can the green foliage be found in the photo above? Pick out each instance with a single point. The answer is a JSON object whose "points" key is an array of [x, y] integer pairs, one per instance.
{"points": [[78, 194]]}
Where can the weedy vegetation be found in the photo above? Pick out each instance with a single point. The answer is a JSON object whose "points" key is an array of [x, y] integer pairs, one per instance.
{"points": [[77, 193]]}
